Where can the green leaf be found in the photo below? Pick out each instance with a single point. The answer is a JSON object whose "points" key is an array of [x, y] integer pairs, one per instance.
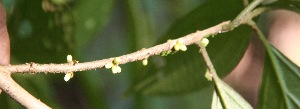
{"points": [[280, 83], [183, 72], [227, 98], [90, 16]]}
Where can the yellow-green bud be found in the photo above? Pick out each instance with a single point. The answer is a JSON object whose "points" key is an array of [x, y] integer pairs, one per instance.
{"points": [[117, 60], [116, 69], [183, 48], [180, 41], [180, 45], [108, 65], [145, 62], [177, 47], [204, 42], [68, 76], [69, 58]]}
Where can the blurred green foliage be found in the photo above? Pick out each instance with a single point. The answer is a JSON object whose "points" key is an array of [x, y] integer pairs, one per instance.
{"points": [[189, 66], [46, 31]]}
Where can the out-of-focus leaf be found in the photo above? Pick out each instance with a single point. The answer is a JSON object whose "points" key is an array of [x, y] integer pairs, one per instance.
{"points": [[39, 36], [137, 25], [184, 71], [103, 90], [38, 86], [280, 83], [227, 98], [90, 16], [8, 103]]}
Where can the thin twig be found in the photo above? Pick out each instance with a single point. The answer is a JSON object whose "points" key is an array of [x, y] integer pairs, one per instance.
{"points": [[241, 17], [139, 55], [258, 11], [208, 62], [247, 10]]}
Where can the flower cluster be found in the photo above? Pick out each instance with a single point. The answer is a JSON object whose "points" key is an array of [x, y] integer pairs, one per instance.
{"points": [[115, 68], [180, 45]]}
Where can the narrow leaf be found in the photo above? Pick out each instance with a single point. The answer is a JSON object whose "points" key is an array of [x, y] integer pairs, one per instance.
{"points": [[280, 82], [229, 98], [39, 36], [216, 103]]}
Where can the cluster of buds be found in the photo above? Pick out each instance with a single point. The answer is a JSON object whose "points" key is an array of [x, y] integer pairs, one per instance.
{"points": [[115, 68], [180, 45]]}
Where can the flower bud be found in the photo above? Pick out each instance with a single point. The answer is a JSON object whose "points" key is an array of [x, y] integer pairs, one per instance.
{"points": [[204, 42], [69, 58], [145, 62], [116, 69], [176, 47], [116, 60], [183, 48], [68, 76]]}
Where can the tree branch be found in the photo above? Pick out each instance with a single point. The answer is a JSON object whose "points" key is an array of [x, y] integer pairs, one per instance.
{"points": [[138, 55], [208, 62], [8, 85], [27, 100], [240, 19]]}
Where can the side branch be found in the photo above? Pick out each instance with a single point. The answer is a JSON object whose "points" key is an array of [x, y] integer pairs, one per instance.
{"points": [[240, 19], [208, 62], [138, 55], [19, 94]]}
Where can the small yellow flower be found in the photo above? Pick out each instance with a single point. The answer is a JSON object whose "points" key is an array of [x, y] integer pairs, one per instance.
{"points": [[114, 66], [68, 76], [116, 69], [177, 47], [117, 60], [69, 58], [180, 41], [145, 62], [183, 48], [180, 45], [204, 42], [108, 65]]}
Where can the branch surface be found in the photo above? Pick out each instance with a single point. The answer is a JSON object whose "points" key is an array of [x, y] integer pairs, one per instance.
{"points": [[189, 39]]}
